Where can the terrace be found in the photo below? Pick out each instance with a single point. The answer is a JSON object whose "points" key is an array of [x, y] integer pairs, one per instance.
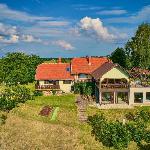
{"points": [[114, 83]]}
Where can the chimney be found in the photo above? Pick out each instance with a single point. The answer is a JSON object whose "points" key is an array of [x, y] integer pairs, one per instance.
{"points": [[59, 60], [89, 60]]}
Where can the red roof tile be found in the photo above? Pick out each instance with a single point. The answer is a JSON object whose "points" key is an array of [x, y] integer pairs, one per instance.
{"points": [[51, 71], [81, 65]]}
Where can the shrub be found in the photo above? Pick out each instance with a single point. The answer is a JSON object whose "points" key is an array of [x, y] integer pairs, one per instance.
{"points": [[118, 135], [84, 88], [142, 115], [111, 134], [54, 92], [38, 93], [14, 95]]}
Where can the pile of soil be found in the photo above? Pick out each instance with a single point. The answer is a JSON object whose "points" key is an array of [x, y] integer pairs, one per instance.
{"points": [[46, 110]]}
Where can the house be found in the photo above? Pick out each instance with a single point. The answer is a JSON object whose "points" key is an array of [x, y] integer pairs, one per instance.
{"points": [[112, 82], [61, 76], [54, 76]]}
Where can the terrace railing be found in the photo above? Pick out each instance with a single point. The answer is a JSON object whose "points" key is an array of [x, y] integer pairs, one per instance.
{"points": [[47, 87], [109, 85]]}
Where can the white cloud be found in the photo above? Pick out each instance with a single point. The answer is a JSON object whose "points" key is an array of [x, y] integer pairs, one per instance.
{"points": [[53, 23], [141, 16], [7, 13], [112, 12], [94, 27], [63, 44], [10, 35], [11, 40], [7, 29], [83, 7], [30, 38]]}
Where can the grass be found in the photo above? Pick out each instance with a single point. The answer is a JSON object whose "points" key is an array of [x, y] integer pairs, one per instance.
{"points": [[26, 129]]}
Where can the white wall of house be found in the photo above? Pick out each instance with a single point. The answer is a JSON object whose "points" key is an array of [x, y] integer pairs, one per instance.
{"points": [[143, 90], [116, 73], [41, 82], [65, 87]]}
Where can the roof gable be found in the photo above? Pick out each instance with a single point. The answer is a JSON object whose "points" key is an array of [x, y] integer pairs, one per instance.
{"points": [[105, 68]]}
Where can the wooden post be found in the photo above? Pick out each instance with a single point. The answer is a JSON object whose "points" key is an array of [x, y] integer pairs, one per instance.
{"points": [[100, 93], [114, 97]]}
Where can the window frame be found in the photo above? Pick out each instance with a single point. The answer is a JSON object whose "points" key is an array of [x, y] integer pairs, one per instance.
{"points": [[135, 101], [48, 82], [148, 97], [83, 76], [66, 81]]}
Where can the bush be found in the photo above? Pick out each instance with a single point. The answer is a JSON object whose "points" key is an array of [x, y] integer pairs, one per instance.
{"points": [[142, 115], [14, 95], [111, 134], [118, 135], [84, 88], [54, 92], [38, 93]]}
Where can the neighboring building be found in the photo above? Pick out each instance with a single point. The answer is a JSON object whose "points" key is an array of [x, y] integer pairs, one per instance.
{"points": [[81, 68], [112, 82], [54, 76]]}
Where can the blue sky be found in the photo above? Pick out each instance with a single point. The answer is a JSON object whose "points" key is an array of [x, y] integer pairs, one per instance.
{"points": [[69, 28]]}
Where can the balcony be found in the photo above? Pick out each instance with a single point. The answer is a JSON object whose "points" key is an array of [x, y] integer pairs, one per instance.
{"points": [[47, 87], [109, 85]]}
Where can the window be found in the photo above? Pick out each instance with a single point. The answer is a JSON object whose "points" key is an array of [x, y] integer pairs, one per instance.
{"points": [[111, 81], [82, 75], [147, 95], [107, 97], [68, 69], [138, 97], [48, 82], [122, 97], [67, 82]]}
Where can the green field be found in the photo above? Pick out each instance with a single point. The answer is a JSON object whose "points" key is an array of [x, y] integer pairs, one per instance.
{"points": [[26, 129]]}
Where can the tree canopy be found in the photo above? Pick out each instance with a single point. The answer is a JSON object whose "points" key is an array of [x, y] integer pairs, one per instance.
{"points": [[119, 56], [138, 48], [18, 68]]}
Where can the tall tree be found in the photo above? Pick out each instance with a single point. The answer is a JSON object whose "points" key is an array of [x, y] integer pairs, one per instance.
{"points": [[138, 48], [119, 56]]}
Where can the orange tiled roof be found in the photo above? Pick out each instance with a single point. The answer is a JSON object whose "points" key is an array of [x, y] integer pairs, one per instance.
{"points": [[51, 71], [81, 65]]}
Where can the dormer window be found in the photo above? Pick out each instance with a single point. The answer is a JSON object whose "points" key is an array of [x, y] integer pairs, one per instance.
{"points": [[83, 75], [68, 69]]}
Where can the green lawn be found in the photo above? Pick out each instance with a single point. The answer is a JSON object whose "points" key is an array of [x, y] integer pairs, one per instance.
{"points": [[25, 129]]}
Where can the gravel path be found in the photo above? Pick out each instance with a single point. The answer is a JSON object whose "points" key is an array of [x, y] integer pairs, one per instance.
{"points": [[81, 107]]}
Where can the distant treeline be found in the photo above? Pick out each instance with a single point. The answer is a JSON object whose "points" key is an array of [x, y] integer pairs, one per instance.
{"points": [[55, 60]]}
